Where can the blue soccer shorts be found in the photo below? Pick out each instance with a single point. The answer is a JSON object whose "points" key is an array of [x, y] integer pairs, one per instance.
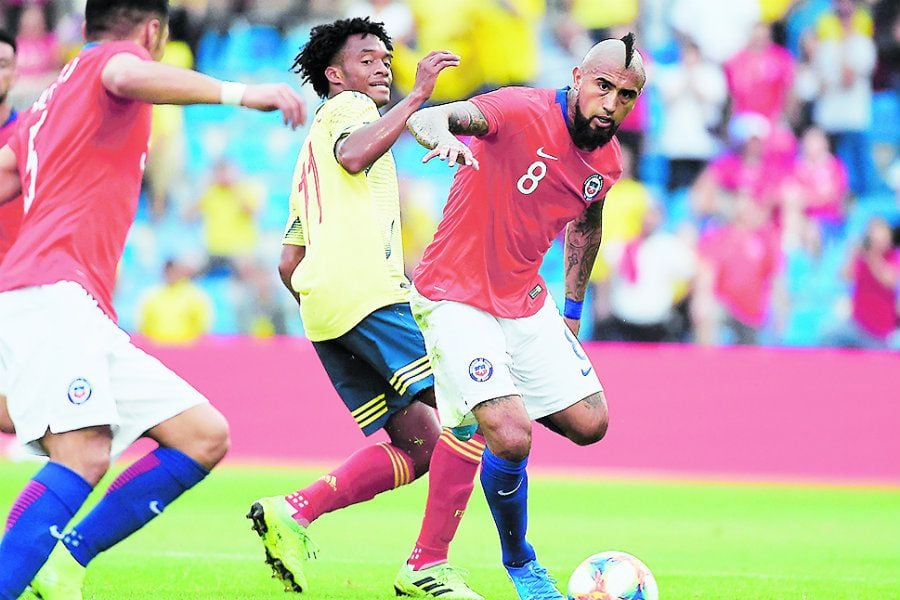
{"points": [[379, 366]]}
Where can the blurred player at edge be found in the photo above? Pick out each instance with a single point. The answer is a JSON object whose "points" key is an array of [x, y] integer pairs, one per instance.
{"points": [[502, 355], [343, 259], [11, 212], [78, 391]]}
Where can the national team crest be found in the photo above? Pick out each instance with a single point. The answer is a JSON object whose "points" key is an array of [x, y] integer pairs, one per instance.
{"points": [[593, 185], [481, 370], [80, 391]]}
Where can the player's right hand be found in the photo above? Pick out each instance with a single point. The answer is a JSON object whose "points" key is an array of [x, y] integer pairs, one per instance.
{"points": [[430, 67], [454, 153], [267, 97]]}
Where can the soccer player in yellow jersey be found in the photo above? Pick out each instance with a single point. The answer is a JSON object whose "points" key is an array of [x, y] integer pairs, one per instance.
{"points": [[343, 260]]}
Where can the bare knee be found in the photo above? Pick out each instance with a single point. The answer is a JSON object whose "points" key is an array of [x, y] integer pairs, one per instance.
{"points": [[6, 424], [86, 452], [592, 425], [210, 443], [200, 432], [506, 427], [415, 430]]}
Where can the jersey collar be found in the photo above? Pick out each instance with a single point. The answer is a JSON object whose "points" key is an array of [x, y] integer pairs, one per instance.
{"points": [[13, 115], [562, 98]]}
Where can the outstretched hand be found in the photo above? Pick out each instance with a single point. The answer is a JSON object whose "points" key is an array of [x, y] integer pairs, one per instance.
{"points": [[267, 97], [430, 67], [454, 153]]}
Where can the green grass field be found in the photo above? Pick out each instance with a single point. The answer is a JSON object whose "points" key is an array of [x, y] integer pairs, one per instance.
{"points": [[709, 541]]}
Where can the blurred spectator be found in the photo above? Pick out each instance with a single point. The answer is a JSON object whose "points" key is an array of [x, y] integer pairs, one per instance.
{"points": [[599, 17], [810, 284], [819, 181], [801, 20], [258, 303], [737, 269], [447, 25], [507, 44], [754, 169], [228, 208], [395, 15], [648, 274], [887, 41], [720, 29], [761, 76], [39, 55], [166, 159], [843, 61], [623, 213], [178, 311], [693, 94], [874, 272]]}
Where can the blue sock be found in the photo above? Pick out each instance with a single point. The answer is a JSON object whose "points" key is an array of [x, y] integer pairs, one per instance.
{"points": [[138, 495], [505, 486], [35, 523]]}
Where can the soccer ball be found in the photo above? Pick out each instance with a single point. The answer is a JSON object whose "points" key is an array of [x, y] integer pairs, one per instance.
{"points": [[612, 576]]}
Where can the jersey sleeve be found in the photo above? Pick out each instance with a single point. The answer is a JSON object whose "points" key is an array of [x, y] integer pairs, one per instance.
{"points": [[347, 112], [501, 106]]}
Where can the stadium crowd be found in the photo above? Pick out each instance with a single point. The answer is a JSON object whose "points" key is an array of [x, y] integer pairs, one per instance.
{"points": [[760, 202]]}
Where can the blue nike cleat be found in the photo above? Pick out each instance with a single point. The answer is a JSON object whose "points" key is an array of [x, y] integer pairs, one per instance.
{"points": [[533, 582]]}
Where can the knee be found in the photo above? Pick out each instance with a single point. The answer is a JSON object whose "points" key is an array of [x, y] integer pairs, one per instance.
{"points": [[511, 441], [6, 424], [91, 461], [590, 430], [211, 442]]}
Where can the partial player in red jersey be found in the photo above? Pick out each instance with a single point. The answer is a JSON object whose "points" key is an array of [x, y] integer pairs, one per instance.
{"points": [[78, 391], [502, 354], [10, 213]]}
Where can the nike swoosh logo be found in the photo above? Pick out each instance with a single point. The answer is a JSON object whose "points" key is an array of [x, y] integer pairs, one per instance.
{"points": [[54, 531], [512, 491], [154, 507], [542, 154], [587, 371]]}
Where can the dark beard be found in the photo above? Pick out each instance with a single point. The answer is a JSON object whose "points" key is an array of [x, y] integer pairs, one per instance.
{"points": [[586, 137]]}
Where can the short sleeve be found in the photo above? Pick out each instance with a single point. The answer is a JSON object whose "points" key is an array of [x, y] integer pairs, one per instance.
{"points": [[501, 105], [347, 112], [293, 231]]}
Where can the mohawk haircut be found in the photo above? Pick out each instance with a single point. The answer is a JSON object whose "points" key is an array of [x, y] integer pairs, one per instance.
{"points": [[120, 17], [628, 40], [326, 42], [6, 38]]}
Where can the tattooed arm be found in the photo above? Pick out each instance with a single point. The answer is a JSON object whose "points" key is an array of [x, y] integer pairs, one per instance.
{"points": [[582, 244], [436, 129]]}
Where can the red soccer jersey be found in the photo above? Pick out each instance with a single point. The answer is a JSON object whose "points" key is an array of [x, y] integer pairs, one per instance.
{"points": [[81, 153], [500, 221], [11, 212]]}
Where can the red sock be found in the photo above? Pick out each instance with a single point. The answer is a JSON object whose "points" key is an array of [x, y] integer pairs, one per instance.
{"points": [[450, 484], [367, 472]]}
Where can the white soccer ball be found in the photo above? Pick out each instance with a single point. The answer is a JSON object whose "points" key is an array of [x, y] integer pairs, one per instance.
{"points": [[612, 576]]}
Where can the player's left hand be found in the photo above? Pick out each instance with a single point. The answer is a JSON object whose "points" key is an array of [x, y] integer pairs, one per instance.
{"points": [[267, 97], [573, 324], [454, 153]]}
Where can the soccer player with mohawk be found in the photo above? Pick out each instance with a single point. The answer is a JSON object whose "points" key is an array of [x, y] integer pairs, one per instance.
{"points": [[342, 257], [501, 352]]}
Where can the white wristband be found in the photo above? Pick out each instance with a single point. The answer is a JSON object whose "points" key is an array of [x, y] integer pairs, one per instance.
{"points": [[232, 93]]}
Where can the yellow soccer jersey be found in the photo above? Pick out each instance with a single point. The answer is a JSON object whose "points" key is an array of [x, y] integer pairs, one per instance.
{"points": [[350, 225]]}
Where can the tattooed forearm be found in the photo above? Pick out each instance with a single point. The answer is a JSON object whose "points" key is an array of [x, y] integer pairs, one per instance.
{"points": [[466, 119], [438, 124], [582, 243]]}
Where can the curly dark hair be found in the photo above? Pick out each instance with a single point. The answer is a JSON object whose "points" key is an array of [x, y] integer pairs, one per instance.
{"points": [[326, 42]]}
